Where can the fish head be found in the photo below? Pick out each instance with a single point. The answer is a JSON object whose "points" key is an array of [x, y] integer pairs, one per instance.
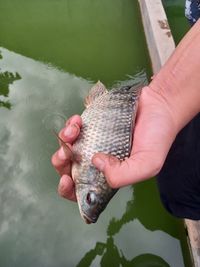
{"points": [[93, 194], [92, 200]]}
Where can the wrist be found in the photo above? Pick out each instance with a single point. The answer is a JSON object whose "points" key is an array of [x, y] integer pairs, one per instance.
{"points": [[154, 106], [178, 81], [180, 93]]}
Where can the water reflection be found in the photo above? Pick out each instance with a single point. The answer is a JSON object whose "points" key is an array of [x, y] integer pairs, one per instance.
{"points": [[111, 256], [6, 78], [37, 228], [144, 200]]}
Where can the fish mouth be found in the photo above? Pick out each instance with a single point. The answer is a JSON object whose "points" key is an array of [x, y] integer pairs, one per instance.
{"points": [[88, 220]]}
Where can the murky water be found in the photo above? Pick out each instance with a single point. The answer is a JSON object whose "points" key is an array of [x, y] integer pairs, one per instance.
{"points": [[52, 51]]}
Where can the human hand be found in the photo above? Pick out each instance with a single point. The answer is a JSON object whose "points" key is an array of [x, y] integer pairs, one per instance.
{"points": [[155, 130], [165, 106], [161, 115], [61, 160]]}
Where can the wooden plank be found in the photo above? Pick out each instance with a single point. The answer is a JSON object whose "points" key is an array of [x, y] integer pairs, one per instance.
{"points": [[159, 39], [193, 228]]}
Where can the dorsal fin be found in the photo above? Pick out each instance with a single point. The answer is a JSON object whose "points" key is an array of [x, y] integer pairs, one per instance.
{"points": [[134, 90], [97, 90]]}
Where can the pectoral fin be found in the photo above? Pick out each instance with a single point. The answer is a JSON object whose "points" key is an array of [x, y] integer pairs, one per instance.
{"points": [[67, 149]]}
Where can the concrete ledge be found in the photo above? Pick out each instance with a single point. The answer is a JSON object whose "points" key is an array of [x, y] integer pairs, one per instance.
{"points": [[158, 34]]}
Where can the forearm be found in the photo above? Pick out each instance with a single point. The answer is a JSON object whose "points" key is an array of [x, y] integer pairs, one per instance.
{"points": [[178, 82]]}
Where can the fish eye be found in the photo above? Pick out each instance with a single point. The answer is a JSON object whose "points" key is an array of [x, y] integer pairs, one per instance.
{"points": [[91, 198]]}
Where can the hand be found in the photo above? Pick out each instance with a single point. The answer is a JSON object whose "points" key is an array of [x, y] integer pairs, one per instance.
{"points": [[61, 161], [162, 113], [155, 130]]}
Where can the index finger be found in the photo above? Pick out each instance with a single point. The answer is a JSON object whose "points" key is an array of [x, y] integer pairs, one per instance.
{"points": [[72, 129]]}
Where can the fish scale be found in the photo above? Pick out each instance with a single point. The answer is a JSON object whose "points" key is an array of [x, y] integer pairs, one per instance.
{"points": [[108, 122]]}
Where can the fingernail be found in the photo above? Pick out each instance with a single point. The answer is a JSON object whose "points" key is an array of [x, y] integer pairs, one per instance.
{"points": [[71, 130], [61, 154], [99, 163]]}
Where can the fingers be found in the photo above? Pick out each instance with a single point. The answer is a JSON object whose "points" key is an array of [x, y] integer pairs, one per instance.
{"points": [[66, 188], [71, 130], [62, 158], [118, 173], [61, 162]]}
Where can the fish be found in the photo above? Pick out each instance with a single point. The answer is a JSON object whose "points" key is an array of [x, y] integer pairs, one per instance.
{"points": [[107, 126]]}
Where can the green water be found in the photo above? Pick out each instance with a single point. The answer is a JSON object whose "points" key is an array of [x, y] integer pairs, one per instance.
{"points": [[52, 51]]}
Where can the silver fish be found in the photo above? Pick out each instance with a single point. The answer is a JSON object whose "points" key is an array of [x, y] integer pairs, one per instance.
{"points": [[108, 123]]}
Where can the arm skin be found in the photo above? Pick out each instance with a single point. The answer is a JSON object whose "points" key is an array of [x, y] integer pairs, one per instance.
{"points": [[170, 101]]}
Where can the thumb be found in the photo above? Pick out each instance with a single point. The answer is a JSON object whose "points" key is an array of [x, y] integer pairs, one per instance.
{"points": [[118, 173], [108, 165]]}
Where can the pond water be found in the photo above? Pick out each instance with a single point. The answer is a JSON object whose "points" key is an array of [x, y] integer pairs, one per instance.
{"points": [[51, 52]]}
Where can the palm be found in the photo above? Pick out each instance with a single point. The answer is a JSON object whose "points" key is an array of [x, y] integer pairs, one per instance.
{"points": [[153, 135]]}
